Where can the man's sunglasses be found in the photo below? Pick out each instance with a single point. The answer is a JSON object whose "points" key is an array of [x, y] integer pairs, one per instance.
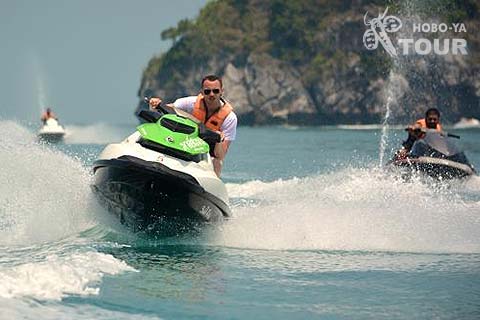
{"points": [[432, 119], [207, 91]]}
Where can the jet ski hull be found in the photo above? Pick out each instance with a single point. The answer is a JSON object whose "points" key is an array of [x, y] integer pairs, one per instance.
{"points": [[150, 197], [51, 131], [434, 167], [51, 137]]}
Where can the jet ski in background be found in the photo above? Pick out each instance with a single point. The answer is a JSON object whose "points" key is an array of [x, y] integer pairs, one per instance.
{"points": [[436, 155], [51, 131], [467, 123], [160, 180]]}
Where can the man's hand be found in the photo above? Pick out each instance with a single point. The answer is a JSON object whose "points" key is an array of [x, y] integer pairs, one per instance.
{"points": [[415, 130], [414, 127], [401, 154], [154, 103], [222, 136]]}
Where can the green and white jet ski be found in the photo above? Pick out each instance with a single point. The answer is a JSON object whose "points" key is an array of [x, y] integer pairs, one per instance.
{"points": [[160, 179]]}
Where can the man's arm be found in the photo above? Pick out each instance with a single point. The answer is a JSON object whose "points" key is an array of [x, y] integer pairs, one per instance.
{"points": [[220, 151], [414, 133]]}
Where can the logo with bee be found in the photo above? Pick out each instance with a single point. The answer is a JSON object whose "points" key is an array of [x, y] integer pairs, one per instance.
{"points": [[378, 32]]}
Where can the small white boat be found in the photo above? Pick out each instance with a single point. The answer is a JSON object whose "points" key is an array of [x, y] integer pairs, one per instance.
{"points": [[51, 131], [466, 123]]}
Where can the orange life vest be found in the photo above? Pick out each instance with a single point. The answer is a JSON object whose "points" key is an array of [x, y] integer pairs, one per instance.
{"points": [[215, 121], [423, 124], [47, 115]]}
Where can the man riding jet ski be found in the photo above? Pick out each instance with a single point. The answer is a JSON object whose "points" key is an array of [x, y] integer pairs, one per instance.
{"points": [[161, 178], [431, 121], [51, 131], [212, 109], [430, 150]]}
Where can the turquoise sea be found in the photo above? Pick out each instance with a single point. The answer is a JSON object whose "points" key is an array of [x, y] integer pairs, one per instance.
{"points": [[320, 231]]}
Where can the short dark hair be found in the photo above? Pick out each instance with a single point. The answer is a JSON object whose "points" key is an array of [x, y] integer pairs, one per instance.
{"points": [[432, 110], [212, 77]]}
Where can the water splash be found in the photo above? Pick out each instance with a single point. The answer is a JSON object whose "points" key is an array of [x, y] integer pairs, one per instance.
{"points": [[40, 84], [384, 135], [354, 209], [410, 75], [396, 87], [44, 194], [58, 275], [33, 310], [45, 207], [98, 133]]}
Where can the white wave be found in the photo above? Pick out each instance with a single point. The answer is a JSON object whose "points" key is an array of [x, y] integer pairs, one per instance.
{"points": [[12, 134], [32, 310], [44, 194], [367, 126], [473, 184], [252, 188], [59, 275], [98, 133], [355, 209]]}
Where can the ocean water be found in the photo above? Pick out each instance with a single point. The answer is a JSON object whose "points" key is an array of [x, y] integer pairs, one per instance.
{"points": [[320, 230]]}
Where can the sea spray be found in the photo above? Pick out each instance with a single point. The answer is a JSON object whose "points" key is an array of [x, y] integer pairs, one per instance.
{"points": [[44, 194], [395, 89], [353, 209], [40, 84], [34, 309], [97, 133], [58, 275], [396, 85], [45, 206], [415, 81]]}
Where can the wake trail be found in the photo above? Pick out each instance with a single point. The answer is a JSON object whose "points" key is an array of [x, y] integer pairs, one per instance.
{"points": [[355, 209]]}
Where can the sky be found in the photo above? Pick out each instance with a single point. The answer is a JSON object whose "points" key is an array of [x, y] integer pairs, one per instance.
{"points": [[82, 58]]}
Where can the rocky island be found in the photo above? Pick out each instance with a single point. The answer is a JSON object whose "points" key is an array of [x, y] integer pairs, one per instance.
{"points": [[319, 62]]}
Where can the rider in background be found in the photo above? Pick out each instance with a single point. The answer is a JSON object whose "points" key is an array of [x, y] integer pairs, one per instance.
{"points": [[431, 121], [48, 114]]}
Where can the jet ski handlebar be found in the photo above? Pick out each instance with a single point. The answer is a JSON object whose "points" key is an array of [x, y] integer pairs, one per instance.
{"points": [[159, 109], [152, 116], [425, 130], [451, 135]]}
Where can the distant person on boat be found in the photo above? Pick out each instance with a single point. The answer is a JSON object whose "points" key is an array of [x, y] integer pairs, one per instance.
{"points": [[211, 108], [48, 114], [431, 121]]}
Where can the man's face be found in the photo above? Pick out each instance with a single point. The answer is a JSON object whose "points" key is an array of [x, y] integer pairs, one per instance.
{"points": [[212, 91], [432, 120]]}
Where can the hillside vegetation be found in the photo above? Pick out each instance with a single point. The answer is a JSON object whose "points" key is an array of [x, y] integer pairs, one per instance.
{"points": [[304, 61]]}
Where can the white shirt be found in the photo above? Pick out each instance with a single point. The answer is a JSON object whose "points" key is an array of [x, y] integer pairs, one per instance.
{"points": [[229, 125]]}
